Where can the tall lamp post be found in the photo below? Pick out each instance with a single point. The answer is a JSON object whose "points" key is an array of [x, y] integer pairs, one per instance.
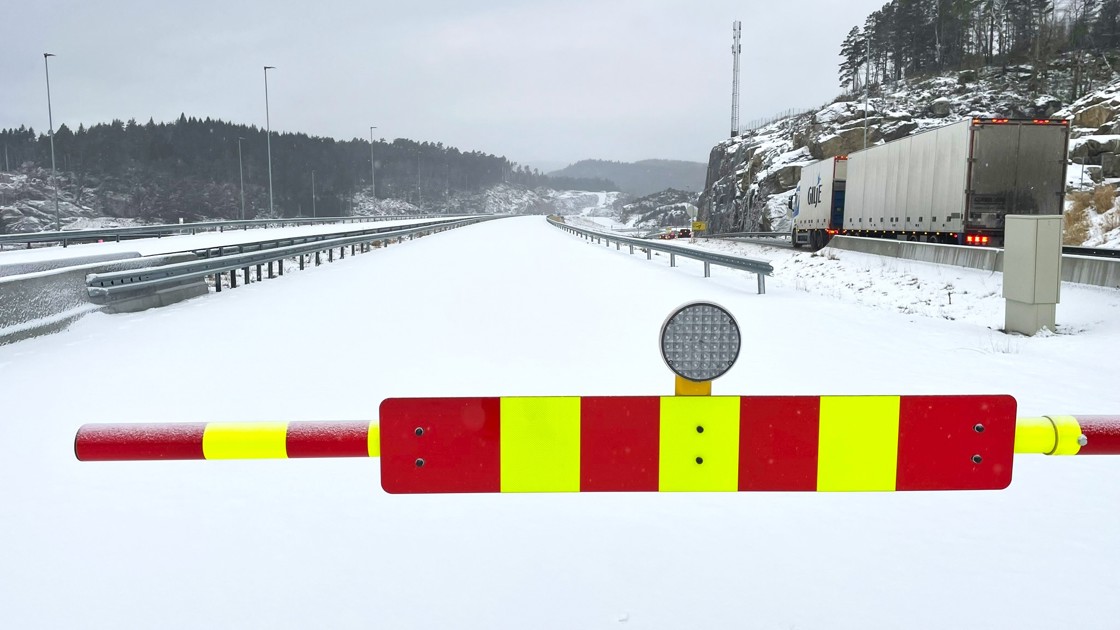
{"points": [[50, 119], [241, 170], [372, 168], [268, 136], [314, 212]]}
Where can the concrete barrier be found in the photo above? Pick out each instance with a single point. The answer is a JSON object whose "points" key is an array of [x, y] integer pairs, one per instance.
{"points": [[986, 258], [43, 302], [1101, 272]]}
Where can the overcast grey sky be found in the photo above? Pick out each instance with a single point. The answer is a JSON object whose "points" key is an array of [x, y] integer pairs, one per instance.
{"points": [[547, 81]]}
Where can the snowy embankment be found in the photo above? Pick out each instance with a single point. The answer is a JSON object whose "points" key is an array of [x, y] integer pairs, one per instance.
{"points": [[517, 307]]}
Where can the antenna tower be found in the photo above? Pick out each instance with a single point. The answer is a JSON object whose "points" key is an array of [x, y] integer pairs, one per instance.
{"points": [[735, 50]]}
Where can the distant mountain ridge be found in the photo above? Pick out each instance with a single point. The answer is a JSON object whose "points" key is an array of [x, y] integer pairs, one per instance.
{"points": [[640, 178]]}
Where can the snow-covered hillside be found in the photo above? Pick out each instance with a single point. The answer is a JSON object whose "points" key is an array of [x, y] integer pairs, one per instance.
{"points": [[27, 204], [751, 178]]}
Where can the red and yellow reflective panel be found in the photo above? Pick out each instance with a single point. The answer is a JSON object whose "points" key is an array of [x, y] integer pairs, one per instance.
{"points": [[226, 440], [697, 443]]}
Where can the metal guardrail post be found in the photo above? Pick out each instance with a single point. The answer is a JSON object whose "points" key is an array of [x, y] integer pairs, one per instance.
{"points": [[631, 249], [301, 262], [761, 283], [233, 278], [318, 261], [259, 278], [248, 277], [707, 269], [649, 254], [217, 282], [673, 260]]}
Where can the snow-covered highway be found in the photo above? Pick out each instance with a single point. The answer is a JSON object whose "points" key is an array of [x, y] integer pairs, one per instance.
{"points": [[516, 307]]}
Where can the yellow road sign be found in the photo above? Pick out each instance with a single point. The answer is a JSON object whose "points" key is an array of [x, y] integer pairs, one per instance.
{"points": [[699, 226]]}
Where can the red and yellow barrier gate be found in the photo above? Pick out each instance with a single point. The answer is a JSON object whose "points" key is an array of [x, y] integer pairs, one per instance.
{"points": [[648, 443]]}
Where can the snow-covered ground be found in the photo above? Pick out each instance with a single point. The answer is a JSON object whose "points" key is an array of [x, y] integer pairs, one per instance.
{"points": [[167, 244], [517, 307]]}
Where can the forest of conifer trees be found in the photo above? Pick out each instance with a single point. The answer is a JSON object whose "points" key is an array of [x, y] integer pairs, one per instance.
{"points": [[916, 37], [191, 168]]}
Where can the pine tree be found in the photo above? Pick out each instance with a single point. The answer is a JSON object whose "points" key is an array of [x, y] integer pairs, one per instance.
{"points": [[1106, 27], [853, 54]]}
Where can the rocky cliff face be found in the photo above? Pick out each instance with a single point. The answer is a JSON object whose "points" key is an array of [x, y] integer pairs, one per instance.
{"points": [[752, 178]]}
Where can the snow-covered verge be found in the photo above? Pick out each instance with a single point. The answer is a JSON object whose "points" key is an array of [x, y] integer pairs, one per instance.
{"points": [[316, 543], [189, 242]]}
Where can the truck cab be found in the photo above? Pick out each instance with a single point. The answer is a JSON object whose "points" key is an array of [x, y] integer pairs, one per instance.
{"points": [[818, 203]]}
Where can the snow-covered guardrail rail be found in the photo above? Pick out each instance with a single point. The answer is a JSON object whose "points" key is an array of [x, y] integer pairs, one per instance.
{"points": [[760, 268], [748, 235], [147, 231], [141, 284]]}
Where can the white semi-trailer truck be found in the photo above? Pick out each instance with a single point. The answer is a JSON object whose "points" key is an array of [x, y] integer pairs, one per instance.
{"points": [[953, 184]]}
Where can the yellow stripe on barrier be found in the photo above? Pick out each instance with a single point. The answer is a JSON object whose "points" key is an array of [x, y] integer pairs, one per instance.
{"points": [[374, 439], [699, 444], [540, 444], [1069, 432], [1034, 435], [245, 440], [858, 448]]}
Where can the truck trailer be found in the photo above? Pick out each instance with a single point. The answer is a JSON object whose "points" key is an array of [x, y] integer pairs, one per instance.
{"points": [[953, 184]]}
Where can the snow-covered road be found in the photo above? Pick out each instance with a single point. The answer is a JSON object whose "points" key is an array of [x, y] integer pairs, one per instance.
{"points": [[516, 307]]}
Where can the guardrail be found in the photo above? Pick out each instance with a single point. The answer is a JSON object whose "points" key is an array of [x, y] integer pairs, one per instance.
{"points": [[1098, 252], [108, 287], [146, 231], [1069, 250], [271, 243], [749, 235], [760, 268]]}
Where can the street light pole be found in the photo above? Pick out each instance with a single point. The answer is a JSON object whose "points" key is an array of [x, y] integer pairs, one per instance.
{"points": [[50, 119], [314, 213], [268, 136], [372, 168], [241, 170]]}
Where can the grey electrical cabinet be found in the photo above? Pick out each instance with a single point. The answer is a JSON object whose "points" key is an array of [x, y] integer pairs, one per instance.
{"points": [[1032, 272]]}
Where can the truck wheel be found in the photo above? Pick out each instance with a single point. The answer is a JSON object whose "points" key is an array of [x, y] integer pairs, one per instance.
{"points": [[793, 238]]}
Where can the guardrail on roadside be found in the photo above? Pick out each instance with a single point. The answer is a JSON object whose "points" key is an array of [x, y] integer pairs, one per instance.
{"points": [[760, 268], [1097, 252], [748, 235], [146, 231], [108, 287]]}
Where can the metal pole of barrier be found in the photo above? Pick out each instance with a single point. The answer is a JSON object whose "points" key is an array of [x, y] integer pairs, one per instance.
{"points": [[233, 278], [649, 254], [672, 259], [707, 269], [631, 249], [318, 261], [1047, 435], [217, 282]]}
